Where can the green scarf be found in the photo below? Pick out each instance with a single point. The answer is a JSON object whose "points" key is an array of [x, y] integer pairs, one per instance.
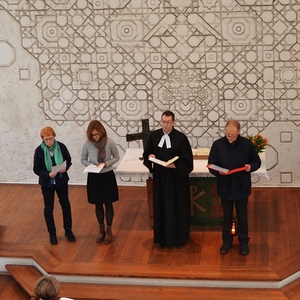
{"points": [[47, 157]]}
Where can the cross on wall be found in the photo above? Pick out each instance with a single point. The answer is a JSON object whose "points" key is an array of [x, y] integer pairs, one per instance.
{"points": [[144, 135]]}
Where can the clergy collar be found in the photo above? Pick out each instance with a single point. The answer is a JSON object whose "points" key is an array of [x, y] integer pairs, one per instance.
{"points": [[165, 138]]}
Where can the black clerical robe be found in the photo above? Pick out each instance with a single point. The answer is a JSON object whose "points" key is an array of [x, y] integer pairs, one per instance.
{"points": [[171, 188]]}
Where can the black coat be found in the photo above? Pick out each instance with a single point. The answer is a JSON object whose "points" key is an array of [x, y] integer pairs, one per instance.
{"points": [[39, 166], [230, 156], [171, 189]]}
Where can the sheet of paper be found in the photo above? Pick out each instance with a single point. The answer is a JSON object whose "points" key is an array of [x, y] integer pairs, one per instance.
{"points": [[57, 168], [93, 169]]}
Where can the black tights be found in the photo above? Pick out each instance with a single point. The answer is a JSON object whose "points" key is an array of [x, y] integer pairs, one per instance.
{"points": [[109, 213]]}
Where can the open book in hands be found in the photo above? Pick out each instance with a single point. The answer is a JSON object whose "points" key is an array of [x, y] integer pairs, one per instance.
{"points": [[93, 169], [226, 171], [163, 163]]}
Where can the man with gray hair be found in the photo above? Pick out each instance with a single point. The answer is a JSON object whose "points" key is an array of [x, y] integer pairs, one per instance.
{"points": [[230, 152]]}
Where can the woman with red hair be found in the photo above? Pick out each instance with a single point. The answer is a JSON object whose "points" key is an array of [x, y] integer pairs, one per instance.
{"points": [[48, 154]]}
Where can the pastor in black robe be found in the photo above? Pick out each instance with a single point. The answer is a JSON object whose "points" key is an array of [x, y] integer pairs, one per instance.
{"points": [[171, 188]]}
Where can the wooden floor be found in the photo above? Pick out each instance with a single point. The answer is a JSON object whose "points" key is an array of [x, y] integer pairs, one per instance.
{"points": [[274, 228]]}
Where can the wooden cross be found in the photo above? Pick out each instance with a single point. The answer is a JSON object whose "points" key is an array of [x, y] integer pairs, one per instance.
{"points": [[144, 135]]}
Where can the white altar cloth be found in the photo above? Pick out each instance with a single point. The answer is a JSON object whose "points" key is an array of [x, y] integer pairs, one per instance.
{"points": [[131, 164]]}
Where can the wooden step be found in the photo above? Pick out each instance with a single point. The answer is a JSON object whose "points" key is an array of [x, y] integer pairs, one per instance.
{"points": [[27, 276], [292, 290]]}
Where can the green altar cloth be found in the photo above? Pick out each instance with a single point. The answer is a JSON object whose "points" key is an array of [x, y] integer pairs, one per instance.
{"points": [[206, 209]]}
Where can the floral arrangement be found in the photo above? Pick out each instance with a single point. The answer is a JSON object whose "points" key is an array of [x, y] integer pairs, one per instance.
{"points": [[260, 143]]}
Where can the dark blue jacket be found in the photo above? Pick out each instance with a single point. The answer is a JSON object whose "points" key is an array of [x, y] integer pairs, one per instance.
{"points": [[39, 167], [230, 156]]}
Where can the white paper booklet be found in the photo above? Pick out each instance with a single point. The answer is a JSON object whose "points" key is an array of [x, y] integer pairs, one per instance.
{"points": [[93, 169], [56, 169]]}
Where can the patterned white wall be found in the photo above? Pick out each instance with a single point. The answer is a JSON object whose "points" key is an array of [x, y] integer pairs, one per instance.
{"points": [[64, 63]]}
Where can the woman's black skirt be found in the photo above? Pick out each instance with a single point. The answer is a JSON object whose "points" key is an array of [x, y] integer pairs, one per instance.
{"points": [[102, 188]]}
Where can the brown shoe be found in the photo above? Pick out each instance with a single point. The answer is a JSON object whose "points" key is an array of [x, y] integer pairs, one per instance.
{"points": [[101, 234], [108, 235]]}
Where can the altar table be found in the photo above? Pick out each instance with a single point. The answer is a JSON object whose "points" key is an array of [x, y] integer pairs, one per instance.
{"points": [[206, 208]]}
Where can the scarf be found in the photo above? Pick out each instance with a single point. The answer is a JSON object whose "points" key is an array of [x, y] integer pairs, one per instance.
{"points": [[56, 153], [100, 145]]}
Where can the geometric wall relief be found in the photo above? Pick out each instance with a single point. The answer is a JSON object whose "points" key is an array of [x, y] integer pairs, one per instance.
{"points": [[286, 137], [186, 57], [7, 54], [123, 61], [24, 74], [286, 177]]}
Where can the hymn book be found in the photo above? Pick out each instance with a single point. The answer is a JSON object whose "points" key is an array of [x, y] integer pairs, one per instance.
{"points": [[226, 171], [93, 169], [163, 163]]}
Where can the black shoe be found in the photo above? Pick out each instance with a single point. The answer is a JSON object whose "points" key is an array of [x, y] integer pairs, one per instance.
{"points": [[179, 246], [225, 248], [70, 236], [244, 249], [53, 240], [161, 245]]}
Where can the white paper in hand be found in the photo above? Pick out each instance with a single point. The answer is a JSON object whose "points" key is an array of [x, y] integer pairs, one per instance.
{"points": [[93, 169]]}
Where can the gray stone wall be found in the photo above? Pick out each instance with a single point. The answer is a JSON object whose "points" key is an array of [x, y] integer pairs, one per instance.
{"points": [[64, 63]]}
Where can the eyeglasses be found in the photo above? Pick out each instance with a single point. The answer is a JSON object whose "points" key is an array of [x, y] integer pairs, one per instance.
{"points": [[166, 122], [48, 139], [95, 134]]}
